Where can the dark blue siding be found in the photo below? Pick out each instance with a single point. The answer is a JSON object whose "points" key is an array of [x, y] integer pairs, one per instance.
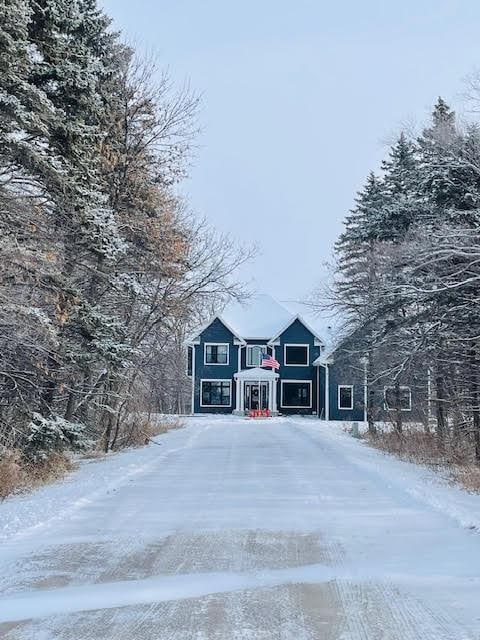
{"points": [[340, 375], [215, 332], [348, 369], [297, 333]]}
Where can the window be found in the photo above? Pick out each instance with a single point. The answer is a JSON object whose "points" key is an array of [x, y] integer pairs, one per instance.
{"points": [[254, 354], [398, 397], [216, 393], [216, 353], [296, 394], [345, 396], [296, 355], [189, 361]]}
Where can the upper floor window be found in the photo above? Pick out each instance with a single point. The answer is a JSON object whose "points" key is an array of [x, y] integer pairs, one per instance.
{"points": [[216, 353], [345, 396], [189, 361], [398, 398], [254, 354], [296, 355]]}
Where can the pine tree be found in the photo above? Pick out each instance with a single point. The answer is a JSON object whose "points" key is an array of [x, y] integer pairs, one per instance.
{"points": [[402, 205], [358, 287], [447, 177]]}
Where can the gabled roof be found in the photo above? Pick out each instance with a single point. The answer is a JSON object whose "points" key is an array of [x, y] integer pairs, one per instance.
{"points": [[259, 319], [195, 336], [262, 318], [292, 320], [323, 359]]}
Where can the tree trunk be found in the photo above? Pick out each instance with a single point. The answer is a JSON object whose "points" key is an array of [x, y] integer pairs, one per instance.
{"points": [[440, 408], [372, 429], [398, 409], [475, 405]]}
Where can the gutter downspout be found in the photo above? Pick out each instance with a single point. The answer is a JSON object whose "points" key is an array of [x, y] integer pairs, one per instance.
{"points": [[327, 389]]}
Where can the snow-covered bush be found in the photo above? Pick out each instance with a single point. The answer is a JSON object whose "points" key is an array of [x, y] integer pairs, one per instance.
{"points": [[53, 435]]}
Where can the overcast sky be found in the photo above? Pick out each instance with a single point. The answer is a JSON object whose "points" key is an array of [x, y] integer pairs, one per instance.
{"points": [[299, 98]]}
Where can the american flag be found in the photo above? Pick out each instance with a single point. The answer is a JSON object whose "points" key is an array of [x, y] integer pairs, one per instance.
{"points": [[269, 361]]}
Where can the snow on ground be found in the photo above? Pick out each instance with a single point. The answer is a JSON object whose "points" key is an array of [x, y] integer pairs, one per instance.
{"points": [[280, 528], [431, 487]]}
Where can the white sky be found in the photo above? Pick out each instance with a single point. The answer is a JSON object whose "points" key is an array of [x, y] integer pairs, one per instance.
{"points": [[298, 101]]}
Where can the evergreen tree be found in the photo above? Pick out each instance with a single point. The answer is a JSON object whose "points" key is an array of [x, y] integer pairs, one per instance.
{"points": [[358, 288], [402, 205], [448, 177]]}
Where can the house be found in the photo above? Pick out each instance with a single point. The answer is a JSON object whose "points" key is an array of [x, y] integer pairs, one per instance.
{"points": [[224, 363], [397, 389]]}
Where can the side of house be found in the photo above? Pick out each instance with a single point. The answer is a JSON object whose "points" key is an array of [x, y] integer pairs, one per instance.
{"points": [[393, 394]]}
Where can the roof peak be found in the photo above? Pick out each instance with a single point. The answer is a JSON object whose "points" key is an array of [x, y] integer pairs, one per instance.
{"points": [[259, 317]]}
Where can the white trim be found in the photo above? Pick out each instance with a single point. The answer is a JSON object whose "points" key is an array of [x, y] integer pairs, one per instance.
{"points": [[256, 373], [193, 380], [323, 360], [189, 346], [305, 324], [344, 386], [385, 405], [202, 380], [216, 344], [293, 344], [251, 346], [317, 391], [194, 338], [288, 406], [327, 392]]}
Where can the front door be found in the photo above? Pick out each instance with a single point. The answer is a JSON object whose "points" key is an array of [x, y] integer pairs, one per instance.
{"points": [[256, 395]]}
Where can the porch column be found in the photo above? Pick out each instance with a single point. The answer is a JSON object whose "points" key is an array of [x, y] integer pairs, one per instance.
{"points": [[237, 394], [270, 395], [274, 396], [242, 395]]}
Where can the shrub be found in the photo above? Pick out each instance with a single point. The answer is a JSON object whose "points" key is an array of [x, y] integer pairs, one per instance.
{"points": [[46, 436], [10, 472]]}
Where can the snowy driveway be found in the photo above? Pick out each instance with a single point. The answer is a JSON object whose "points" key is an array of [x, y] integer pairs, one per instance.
{"points": [[234, 529]]}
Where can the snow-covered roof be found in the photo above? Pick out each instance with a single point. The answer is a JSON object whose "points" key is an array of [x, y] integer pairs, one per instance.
{"points": [[256, 373], [261, 318], [323, 358]]}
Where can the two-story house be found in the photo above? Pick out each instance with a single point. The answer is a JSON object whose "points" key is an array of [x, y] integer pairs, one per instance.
{"points": [[224, 360], [225, 357]]}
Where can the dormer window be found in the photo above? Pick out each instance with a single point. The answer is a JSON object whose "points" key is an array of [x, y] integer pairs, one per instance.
{"points": [[216, 353], [296, 355]]}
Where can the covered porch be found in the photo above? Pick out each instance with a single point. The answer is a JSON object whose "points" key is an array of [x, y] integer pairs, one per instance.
{"points": [[256, 388]]}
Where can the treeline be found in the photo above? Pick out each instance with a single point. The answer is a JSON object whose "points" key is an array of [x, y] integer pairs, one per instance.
{"points": [[408, 274], [103, 267]]}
